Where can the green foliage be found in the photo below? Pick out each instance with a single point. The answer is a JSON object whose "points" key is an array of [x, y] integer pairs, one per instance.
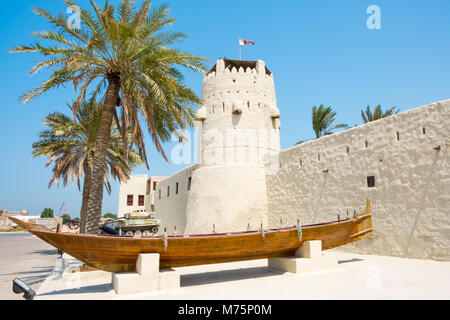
{"points": [[377, 113], [128, 53], [125, 43], [322, 121], [70, 144], [65, 218], [47, 213], [110, 215]]}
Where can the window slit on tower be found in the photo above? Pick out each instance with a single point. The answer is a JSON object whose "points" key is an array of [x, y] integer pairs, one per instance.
{"points": [[371, 181], [189, 183]]}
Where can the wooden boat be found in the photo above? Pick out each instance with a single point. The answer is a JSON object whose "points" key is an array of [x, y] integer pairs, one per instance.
{"points": [[119, 253]]}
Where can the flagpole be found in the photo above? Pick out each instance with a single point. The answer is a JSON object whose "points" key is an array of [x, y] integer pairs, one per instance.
{"points": [[240, 49], [242, 43]]}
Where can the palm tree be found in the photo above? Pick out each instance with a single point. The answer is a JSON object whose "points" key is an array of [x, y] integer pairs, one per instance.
{"points": [[377, 113], [127, 57], [70, 146], [322, 121]]}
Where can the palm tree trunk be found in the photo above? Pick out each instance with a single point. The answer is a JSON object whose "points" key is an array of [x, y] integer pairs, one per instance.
{"points": [[86, 186], [94, 203]]}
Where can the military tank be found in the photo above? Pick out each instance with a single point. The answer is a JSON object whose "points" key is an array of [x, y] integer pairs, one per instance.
{"points": [[137, 223]]}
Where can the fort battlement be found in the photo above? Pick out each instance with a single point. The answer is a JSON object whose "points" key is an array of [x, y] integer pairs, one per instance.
{"points": [[234, 86], [238, 102]]}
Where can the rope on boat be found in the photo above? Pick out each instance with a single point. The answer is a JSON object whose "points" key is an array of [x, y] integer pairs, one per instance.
{"points": [[165, 238], [299, 230]]}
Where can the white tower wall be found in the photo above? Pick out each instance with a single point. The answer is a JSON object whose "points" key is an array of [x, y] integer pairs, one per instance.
{"points": [[239, 140], [240, 116]]}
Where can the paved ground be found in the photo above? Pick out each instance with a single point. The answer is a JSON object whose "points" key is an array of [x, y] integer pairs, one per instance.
{"points": [[357, 277], [24, 256]]}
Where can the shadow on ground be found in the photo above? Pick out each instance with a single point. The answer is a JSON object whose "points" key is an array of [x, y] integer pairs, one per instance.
{"points": [[198, 279], [32, 277], [99, 288], [45, 252], [350, 260]]}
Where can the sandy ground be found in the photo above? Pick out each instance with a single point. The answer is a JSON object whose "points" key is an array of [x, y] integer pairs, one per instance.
{"points": [[24, 256], [357, 277]]}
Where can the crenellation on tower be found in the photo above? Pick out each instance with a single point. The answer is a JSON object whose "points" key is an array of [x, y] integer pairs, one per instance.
{"points": [[239, 95]]}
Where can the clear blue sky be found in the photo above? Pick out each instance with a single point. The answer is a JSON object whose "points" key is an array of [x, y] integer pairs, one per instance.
{"points": [[320, 52]]}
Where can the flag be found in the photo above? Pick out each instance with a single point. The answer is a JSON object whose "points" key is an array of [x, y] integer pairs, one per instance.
{"points": [[244, 42]]}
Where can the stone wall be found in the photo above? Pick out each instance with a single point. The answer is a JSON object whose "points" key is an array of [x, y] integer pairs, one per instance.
{"points": [[408, 156], [5, 223], [170, 206], [228, 197]]}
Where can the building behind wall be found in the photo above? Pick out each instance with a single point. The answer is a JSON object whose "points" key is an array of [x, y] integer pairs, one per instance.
{"points": [[137, 194]]}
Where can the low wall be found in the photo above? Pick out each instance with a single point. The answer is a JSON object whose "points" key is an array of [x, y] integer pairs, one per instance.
{"points": [[407, 154]]}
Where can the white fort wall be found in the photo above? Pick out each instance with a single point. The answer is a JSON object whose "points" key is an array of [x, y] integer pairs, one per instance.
{"points": [[411, 197], [229, 197], [170, 206]]}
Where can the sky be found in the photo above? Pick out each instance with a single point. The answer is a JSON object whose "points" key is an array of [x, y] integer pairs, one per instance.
{"points": [[321, 52]]}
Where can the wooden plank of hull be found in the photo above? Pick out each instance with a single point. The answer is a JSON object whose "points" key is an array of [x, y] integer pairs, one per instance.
{"points": [[120, 253]]}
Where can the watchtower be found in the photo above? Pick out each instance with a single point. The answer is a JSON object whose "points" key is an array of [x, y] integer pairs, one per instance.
{"points": [[238, 145]]}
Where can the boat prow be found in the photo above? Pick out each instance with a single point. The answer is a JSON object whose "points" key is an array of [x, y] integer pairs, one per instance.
{"points": [[29, 226]]}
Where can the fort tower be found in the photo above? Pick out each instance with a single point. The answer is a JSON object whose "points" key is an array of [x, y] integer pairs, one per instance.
{"points": [[238, 146]]}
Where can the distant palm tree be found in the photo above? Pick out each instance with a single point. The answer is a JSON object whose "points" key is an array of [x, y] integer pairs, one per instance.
{"points": [[322, 121], [377, 113], [126, 56], [70, 145]]}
